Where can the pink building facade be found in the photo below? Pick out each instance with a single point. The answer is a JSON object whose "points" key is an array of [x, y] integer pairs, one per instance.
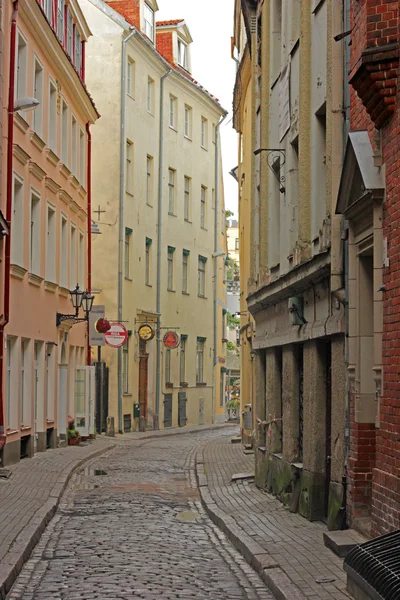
{"points": [[46, 174]]}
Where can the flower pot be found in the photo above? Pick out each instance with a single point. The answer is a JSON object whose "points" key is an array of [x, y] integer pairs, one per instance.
{"points": [[73, 441]]}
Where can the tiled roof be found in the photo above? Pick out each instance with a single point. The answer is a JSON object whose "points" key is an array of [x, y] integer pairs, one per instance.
{"points": [[166, 23]]}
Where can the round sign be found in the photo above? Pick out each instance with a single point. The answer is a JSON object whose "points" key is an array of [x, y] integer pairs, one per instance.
{"points": [[146, 332], [171, 340], [102, 325], [116, 336]]}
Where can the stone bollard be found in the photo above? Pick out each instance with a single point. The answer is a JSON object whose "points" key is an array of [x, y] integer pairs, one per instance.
{"points": [[156, 424], [110, 431]]}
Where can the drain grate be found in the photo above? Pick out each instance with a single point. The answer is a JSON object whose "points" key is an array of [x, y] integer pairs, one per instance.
{"points": [[5, 473], [99, 472], [375, 566]]}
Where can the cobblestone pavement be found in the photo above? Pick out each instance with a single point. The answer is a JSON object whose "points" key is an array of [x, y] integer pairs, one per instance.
{"points": [[294, 543], [131, 525]]}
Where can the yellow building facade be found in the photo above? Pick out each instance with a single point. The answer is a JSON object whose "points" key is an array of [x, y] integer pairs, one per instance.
{"points": [[159, 260]]}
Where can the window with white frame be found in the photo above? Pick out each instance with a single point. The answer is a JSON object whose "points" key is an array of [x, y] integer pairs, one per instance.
{"points": [[82, 157], [183, 58], [52, 137], [149, 181], [37, 123], [73, 267], [48, 9], [186, 199], [125, 367], [201, 276], [35, 238], [64, 253], [50, 382], [11, 384], [188, 122], [182, 365], [204, 131], [51, 244], [60, 20], [128, 234], [168, 366], [129, 167], [172, 112], [70, 33], [148, 261], [74, 145], [203, 194], [81, 261], [170, 269], [64, 134], [200, 360], [25, 379], [150, 95], [22, 65], [149, 21], [17, 238], [171, 191], [236, 243], [78, 51], [130, 77], [185, 270]]}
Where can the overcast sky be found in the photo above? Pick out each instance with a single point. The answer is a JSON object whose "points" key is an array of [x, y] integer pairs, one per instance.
{"points": [[210, 24]]}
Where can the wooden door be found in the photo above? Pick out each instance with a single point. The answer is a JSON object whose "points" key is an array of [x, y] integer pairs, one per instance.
{"points": [[143, 384]]}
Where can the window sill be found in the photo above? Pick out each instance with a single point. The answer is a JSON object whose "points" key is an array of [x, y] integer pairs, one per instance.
{"points": [[201, 385], [35, 279], [129, 193], [130, 96], [169, 385], [37, 141], [149, 205], [204, 148], [185, 293], [50, 286], [127, 394], [200, 296], [172, 214], [173, 129], [189, 139], [184, 384], [204, 228], [18, 271], [52, 157], [64, 170], [188, 221], [148, 285], [150, 113], [169, 290], [128, 278]]}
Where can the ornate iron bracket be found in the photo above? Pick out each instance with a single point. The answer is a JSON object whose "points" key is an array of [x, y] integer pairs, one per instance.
{"points": [[60, 318], [276, 158]]}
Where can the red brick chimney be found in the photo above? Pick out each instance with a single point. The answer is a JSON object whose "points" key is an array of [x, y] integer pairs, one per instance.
{"points": [[164, 45], [129, 9]]}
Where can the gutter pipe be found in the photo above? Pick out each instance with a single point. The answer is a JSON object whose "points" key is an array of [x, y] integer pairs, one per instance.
{"points": [[9, 192], [121, 216], [159, 241], [89, 230]]}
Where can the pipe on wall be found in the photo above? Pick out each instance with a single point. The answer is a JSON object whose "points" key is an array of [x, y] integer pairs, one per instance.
{"points": [[89, 231], [159, 242], [9, 194]]}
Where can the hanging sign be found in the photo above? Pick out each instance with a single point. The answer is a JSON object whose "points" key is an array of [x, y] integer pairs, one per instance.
{"points": [[146, 332], [96, 337], [116, 336], [171, 340]]}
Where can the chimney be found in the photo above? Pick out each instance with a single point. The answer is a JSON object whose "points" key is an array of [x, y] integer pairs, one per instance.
{"points": [[164, 45], [129, 9]]}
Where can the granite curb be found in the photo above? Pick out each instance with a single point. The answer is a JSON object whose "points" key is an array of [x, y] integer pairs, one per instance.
{"points": [[269, 570], [21, 549]]}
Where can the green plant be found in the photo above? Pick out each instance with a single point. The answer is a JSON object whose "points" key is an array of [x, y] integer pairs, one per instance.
{"points": [[233, 322], [233, 403], [231, 347]]}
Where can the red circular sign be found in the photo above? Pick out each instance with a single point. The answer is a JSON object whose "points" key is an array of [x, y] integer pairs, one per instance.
{"points": [[171, 340], [116, 336]]}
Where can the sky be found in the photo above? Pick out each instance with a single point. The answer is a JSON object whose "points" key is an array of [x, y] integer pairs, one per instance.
{"points": [[210, 24]]}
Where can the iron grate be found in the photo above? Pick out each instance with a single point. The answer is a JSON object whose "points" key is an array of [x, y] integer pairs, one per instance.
{"points": [[375, 566]]}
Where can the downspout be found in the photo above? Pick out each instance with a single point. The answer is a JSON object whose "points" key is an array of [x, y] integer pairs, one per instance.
{"points": [[121, 216], [9, 190], [89, 231], [159, 241], [216, 255]]}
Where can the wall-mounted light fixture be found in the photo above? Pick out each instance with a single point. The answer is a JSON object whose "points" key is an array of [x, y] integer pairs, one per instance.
{"points": [[79, 300], [276, 158]]}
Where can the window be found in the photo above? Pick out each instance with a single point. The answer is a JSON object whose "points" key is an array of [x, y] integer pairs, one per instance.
{"points": [[149, 21], [22, 61], [48, 9], [172, 112], [183, 55], [53, 117], [81, 259], [201, 276], [17, 238], [78, 51], [171, 191], [237, 244], [70, 33], [74, 139], [182, 365], [35, 241], [150, 95], [64, 134], [25, 383], [81, 157], [203, 207], [50, 382], [129, 167], [148, 261], [51, 245], [168, 366], [188, 122], [11, 358], [204, 124], [186, 207], [130, 77], [171, 268], [125, 367], [185, 263], [38, 94], [149, 181], [74, 279], [128, 233], [200, 360], [64, 253], [60, 20]]}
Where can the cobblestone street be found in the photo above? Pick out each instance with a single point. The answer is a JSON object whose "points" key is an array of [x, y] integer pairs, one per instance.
{"points": [[130, 525]]}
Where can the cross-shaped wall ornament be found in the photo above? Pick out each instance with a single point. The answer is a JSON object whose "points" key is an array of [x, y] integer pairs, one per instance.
{"points": [[98, 211]]}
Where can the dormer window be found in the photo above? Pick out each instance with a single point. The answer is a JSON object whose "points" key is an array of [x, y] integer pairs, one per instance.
{"points": [[183, 54], [149, 21]]}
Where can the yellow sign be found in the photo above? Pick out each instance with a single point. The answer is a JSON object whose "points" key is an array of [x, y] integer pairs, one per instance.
{"points": [[146, 332]]}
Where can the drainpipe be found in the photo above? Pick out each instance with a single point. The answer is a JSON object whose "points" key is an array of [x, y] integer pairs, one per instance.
{"points": [[89, 231], [159, 249], [9, 190], [121, 216], [216, 255]]}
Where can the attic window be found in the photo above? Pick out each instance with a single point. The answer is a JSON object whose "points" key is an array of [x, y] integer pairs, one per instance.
{"points": [[149, 22], [182, 54]]}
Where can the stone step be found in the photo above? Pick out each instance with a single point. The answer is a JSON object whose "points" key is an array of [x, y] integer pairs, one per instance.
{"points": [[236, 440], [341, 542]]}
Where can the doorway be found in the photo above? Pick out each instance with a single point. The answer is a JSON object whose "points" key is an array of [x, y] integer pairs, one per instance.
{"points": [[143, 379], [328, 423], [62, 393]]}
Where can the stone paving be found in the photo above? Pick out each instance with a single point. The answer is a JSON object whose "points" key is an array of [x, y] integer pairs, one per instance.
{"points": [[293, 543], [131, 525]]}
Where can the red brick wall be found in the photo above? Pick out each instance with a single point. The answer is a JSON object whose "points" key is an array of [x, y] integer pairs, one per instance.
{"points": [[129, 9], [374, 462], [164, 45]]}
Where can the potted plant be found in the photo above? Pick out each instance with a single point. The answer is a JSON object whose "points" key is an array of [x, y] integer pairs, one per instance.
{"points": [[233, 409], [74, 437]]}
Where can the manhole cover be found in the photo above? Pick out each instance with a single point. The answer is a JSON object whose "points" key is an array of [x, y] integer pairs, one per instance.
{"points": [[188, 516], [5, 473]]}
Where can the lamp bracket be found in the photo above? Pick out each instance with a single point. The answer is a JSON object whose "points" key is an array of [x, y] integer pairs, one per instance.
{"points": [[60, 318], [274, 156]]}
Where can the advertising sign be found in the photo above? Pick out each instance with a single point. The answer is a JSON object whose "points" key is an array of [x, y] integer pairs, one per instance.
{"points": [[98, 312], [116, 336]]}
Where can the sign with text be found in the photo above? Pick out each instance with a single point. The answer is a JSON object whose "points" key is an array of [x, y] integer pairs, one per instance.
{"points": [[116, 336], [98, 312]]}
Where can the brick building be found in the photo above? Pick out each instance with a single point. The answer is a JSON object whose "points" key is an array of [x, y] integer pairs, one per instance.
{"points": [[369, 200]]}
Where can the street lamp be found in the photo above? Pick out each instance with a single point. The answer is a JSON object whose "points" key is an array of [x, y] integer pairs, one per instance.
{"points": [[26, 103], [79, 299]]}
